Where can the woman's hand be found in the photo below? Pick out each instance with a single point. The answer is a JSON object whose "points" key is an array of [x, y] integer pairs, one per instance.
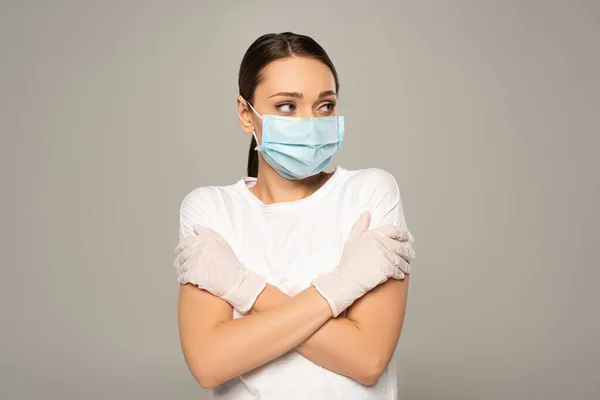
{"points": [[207, 261], [369, 258]]}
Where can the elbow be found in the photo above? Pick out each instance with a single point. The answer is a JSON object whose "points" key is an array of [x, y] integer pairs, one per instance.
{"points": [[206, 378], [207, 370], [207, 383], [207, 365], [371, 372]]}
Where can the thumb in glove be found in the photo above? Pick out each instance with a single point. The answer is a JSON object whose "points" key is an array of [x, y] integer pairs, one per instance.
{"points": [[361, 225]]}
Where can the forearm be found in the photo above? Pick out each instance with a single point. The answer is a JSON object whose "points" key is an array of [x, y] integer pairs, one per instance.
{"points": [[243, 344], [329, 345]]}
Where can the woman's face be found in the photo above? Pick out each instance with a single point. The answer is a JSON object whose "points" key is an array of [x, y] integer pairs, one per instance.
{"points": [[295, 87]]}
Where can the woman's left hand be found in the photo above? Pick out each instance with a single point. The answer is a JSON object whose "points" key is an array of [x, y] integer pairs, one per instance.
{"points": [[207, 261]]}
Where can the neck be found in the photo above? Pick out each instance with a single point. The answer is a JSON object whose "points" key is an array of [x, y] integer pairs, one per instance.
{"points": [[272, 188]]}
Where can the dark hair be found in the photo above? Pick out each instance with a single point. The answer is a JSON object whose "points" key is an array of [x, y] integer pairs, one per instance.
{"points": [[268, 48]]}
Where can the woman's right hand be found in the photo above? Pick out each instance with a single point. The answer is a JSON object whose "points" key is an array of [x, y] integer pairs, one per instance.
{"points": [[207, 261], [369, 258]]}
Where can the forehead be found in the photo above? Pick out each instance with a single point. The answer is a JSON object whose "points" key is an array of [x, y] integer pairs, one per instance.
{"points": [[295, 74]]}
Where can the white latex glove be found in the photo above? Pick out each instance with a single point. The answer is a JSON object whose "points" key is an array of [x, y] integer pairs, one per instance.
{"points": [[207, 261], [369, 258]]}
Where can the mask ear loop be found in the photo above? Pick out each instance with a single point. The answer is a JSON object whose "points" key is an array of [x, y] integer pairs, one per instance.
{"points": [[258, 115]]}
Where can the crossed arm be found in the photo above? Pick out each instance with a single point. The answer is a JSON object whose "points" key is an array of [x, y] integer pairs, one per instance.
{"points": [[218, 348]]}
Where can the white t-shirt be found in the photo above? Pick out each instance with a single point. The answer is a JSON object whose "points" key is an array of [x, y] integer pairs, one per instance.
{"points": [[290, 243]]}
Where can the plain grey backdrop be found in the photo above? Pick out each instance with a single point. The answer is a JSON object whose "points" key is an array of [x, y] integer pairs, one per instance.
{"points": [[486, 112]]}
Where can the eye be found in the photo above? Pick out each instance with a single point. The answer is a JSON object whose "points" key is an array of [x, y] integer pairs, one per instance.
{"points": [[286, 108], [327, 108]]}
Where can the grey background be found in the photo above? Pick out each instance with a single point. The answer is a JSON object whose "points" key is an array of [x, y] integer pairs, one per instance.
{"points": [[486, 112]]}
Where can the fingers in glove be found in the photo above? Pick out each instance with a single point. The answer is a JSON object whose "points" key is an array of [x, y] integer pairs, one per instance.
{"points": [[203, 231], [183, 278], [185, 254], [187, 242], [186, 277], [392, 232], [392, 257], [403, 266], [398, 274], [403, 249], [187, 266], [193, 272], [399, 266], [396, 260]]}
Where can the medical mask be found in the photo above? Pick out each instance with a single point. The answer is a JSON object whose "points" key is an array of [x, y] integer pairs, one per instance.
{"points": [[299, 147]]}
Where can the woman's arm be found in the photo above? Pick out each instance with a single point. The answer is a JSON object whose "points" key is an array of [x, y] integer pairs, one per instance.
{"points": [[217, 347], [212, 341], [360, 345]]}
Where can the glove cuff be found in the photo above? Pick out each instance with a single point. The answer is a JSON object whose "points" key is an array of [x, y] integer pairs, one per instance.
{"points": [[339, 293], [243, 294]]}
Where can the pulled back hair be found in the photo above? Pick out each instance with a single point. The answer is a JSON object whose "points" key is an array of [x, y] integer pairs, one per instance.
{"points": [[264, 50]]}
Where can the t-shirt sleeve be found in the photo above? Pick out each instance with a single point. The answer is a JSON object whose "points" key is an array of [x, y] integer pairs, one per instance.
{"points": [[192, 212], [384, 202]]}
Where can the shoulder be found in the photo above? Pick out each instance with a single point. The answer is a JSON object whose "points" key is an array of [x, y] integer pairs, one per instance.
{"points": [[369, 181], [205, 205], [376, 190], [206, 197], [199, 196]]}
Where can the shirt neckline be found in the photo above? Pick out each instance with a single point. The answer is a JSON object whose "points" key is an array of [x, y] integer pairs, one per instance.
{"points": [[245, 180]]}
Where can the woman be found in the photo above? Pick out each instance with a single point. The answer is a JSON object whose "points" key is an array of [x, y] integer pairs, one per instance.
{"points": [[316, 263]]}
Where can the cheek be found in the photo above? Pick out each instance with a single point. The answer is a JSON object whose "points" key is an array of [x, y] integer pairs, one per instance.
{"points": [[258, 132], [258, 125]]}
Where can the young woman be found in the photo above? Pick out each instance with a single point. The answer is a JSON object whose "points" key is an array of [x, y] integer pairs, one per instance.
{"points": [[293, 280]]}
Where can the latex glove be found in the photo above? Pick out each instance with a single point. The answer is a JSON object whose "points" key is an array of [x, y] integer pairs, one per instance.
{"points": [[207, 261], [369, 258]]}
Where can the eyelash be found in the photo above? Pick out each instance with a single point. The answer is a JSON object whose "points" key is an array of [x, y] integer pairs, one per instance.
{"points": [[331, 105]]}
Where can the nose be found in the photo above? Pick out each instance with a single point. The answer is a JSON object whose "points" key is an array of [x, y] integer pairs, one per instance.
{"points": [[308, 113]]}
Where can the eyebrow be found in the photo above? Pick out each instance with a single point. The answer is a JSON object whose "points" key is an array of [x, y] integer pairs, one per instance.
{"points": [[299, 95]]}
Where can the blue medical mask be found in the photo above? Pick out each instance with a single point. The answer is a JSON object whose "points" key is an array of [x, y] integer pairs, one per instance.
{"points": [[299, 147]]}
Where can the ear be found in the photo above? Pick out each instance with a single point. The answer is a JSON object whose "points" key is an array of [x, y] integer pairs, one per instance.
{"points": [[245, 116]]}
